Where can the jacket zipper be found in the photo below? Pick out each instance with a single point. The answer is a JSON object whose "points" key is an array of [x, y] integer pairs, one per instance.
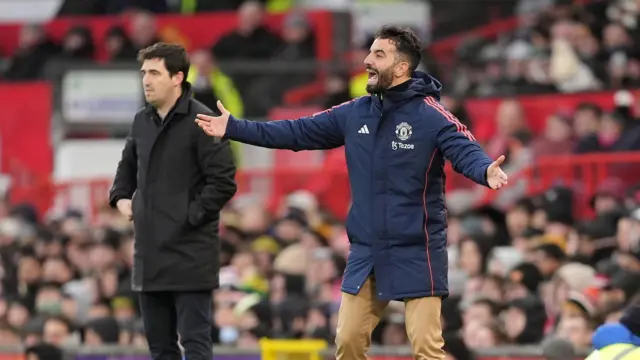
{"points": [[384, 203]]}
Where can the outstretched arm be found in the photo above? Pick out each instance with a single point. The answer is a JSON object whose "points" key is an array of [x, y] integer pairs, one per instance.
{"points": [[459, 146], [323, 130]]}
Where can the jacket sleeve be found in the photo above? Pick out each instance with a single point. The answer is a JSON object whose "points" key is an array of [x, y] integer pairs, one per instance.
{"points": [[215, 160], [458, 145], [323, 130], [125, 182]]}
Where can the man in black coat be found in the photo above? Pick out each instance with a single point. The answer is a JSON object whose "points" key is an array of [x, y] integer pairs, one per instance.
{"points": [[172, 181]]}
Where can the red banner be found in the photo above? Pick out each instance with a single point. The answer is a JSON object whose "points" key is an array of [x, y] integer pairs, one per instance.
{"points": [[537, 108], [25, 128], [25, 136], [197, 31]]}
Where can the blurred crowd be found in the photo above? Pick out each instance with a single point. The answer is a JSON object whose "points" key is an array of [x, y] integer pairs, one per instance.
{"points": [[250, 41], [585, 129], [516, 276], [558, 47]]}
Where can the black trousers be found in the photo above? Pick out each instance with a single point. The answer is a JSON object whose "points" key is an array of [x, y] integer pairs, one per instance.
{"points": [[167, 314]]}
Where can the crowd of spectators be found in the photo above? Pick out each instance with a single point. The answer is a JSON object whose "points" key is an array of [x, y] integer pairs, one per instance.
{"points": [[251, 41], [559, 46], [516, 276]]}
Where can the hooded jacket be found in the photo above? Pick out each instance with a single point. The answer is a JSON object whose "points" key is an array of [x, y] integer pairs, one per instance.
{"points": [[396, 144]]}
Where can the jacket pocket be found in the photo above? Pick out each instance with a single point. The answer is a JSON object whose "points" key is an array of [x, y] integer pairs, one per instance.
{"points": [[170, 216]]}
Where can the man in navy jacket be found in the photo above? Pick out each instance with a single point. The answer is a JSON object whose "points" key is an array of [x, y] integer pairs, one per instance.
{"points": [[396, 141]]}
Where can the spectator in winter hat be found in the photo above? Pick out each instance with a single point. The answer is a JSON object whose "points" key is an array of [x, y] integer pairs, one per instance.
{"points": [[558, 240], [575, 276], [578, 304]]}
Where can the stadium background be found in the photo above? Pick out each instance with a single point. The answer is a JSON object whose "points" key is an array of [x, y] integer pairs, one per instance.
{"points": [[552, 84]]}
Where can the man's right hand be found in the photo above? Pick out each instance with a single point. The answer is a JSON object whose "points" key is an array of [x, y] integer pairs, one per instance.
{"points": [[214, 125], [124, 206]]}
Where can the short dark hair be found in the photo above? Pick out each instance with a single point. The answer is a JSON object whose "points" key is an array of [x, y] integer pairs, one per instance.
{"points": [[174, 56], [589, 106], [406, 41]]}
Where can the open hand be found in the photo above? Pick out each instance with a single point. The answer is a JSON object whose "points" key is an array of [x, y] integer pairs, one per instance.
{"points": [[496, 178], [214, 125]]}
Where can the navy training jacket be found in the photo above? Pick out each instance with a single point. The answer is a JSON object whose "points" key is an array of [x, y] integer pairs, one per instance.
{"points": [[395, 145]]}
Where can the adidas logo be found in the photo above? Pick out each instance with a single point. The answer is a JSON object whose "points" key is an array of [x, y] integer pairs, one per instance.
{"points": [[363, 130]]}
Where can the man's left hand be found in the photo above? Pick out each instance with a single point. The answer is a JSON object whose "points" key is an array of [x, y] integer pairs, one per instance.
{"points": [[496, 178]]}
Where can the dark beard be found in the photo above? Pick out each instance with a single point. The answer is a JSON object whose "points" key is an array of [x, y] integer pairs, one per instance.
{"points": [[384, 82]]}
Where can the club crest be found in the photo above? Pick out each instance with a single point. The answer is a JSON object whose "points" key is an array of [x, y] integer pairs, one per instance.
{"points": [[403, 131]]}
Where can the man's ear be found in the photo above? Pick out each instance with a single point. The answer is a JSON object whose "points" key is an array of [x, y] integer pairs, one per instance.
{"points": [[178, 77], [402, 68]]}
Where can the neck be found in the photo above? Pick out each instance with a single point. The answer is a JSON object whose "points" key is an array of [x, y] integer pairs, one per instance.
{"points": [[399, 81], [163, 110], [246, 31]]}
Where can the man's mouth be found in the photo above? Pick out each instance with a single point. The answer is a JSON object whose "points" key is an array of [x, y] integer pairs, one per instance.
{"points": [[373, 76]]}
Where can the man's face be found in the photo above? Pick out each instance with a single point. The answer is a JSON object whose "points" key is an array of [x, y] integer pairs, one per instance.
{"points": [[576, 330], [585, 122], [157, 82], [250, 16], [544, 263], [517, 220], [383, 65], [92, 338], [29, 270], [55, 332], [49, 301], [480, 313], [514, 321], [201, 60]]}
